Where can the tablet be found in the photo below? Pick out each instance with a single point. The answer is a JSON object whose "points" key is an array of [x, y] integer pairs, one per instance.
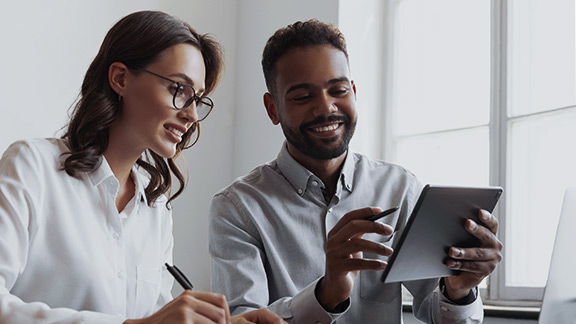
{"points": [[436, 224]]}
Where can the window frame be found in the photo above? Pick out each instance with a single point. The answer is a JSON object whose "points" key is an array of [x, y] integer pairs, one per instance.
{"points": [[496, 293]]}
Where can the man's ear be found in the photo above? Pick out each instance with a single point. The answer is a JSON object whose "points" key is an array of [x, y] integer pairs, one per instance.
{"points": [[271, 108], [117, 73]]}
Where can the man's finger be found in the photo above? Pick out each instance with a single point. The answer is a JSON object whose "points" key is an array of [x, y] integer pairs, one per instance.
{"points": [[489, 220], [475, 254], [361, 213]]}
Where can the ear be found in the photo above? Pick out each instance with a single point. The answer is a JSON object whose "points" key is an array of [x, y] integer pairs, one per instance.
{"points": [[117, 73], [271, 108]]}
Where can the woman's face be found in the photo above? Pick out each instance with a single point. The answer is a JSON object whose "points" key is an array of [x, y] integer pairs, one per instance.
{"points": [[148, 119]]}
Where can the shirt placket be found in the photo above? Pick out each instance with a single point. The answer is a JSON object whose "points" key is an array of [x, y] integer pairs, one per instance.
{"points": [[116, 248], [331, 213]]}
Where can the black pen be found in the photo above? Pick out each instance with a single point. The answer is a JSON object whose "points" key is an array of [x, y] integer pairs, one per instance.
{"points": [[376, 217], [180, 277]]}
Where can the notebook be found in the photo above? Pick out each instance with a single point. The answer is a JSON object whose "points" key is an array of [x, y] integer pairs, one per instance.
{"points": [[559, 302]]}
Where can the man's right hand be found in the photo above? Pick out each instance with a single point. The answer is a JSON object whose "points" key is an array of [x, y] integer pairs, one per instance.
{"points": [[191, 307], [344, 259]]}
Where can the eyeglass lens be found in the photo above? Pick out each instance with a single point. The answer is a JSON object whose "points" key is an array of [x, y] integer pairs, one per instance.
{"points": [[184, 96]]}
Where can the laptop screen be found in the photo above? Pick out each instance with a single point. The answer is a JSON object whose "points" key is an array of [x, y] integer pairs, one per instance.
{"points": [[559, 303]]}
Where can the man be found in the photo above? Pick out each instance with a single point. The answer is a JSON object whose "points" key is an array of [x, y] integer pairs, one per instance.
{"points": [[292, 235]]}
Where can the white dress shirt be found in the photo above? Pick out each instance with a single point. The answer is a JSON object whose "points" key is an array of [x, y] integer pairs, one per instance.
{"points": [[66, 254]]}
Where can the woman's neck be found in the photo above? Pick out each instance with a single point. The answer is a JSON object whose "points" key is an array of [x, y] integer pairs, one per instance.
{"points": [[121, 162]]}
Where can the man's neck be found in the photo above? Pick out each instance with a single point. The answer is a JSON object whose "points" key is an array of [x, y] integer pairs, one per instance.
{"points": [[327, 170]]}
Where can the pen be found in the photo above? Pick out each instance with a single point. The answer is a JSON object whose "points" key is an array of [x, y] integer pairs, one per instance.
{"points": [[376, 217], [179, 276]]}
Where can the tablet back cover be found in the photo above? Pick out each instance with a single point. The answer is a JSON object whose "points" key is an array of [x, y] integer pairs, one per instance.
{"points": [[436, 224]]}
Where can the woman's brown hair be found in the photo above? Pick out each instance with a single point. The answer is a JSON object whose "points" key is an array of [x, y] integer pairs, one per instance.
{"points": [[136, 40]]}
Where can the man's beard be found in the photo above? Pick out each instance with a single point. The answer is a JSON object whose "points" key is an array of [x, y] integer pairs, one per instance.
{"points": [[303, 142]]}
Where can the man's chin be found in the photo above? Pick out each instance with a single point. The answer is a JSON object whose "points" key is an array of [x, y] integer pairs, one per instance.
{"points": [[327, 153]]}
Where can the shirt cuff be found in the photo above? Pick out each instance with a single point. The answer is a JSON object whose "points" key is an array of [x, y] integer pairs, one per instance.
{"points": [[453, 313], [468, 299], [307, 309]]}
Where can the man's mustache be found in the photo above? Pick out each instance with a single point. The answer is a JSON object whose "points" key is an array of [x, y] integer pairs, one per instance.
{"points": [[323, 120]]}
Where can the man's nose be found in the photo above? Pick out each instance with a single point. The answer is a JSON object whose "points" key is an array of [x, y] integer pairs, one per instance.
{"points": [[325, 105]]}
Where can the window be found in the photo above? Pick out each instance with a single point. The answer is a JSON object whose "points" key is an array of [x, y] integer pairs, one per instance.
{"points": [[484, 93]]}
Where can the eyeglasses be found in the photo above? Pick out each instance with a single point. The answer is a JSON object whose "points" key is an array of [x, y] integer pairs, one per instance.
{"points": [[185, 95]]}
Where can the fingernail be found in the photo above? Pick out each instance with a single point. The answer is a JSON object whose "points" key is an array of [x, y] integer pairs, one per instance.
{"points": [[453, 264], [473, 225], [457, 252]]}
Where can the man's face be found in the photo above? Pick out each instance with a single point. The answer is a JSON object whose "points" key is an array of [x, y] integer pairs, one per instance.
{"points": [[314, 102]]}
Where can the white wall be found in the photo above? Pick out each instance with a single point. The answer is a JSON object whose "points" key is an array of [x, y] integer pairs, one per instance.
{"points": [[257, 140]]}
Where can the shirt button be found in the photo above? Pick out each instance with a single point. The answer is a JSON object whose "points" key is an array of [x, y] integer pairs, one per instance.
{"points": [[330, 210], [120, 275], [300, 191], [444, 309], [115, 235], [314, 183]]}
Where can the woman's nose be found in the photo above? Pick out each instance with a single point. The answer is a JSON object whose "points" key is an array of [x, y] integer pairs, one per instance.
{"points": [[190, 113]]}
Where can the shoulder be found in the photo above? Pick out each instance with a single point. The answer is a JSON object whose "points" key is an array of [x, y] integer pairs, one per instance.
{"points": [[260, 178], [31, 151], [365, 164], [387, 176]]}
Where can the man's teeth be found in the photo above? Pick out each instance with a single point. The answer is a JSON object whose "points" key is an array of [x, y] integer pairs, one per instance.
{"points": [[175, 131], [325, 128]]}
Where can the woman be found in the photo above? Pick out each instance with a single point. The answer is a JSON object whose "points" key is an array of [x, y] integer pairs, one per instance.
{"points": [[85, 228]]}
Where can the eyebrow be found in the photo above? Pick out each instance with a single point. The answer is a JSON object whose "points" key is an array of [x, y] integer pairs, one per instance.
{"points": [[310, 86], [188, 81]]}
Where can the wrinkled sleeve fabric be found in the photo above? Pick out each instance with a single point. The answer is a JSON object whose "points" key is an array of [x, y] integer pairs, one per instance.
{"points": [[434, 307], [20, 188], [238, 269]]}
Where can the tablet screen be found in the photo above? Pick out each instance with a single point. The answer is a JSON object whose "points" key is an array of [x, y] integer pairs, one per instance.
{"points": [[435, 225]]}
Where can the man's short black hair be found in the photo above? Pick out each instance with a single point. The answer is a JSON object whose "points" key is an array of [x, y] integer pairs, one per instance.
{"points": [[299, 34]]}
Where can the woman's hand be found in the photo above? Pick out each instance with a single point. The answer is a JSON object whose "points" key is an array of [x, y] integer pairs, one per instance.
{"points": [[191, 307], [260, 316]]}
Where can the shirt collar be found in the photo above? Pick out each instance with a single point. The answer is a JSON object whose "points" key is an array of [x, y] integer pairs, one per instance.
{"points": [[293, 171], [347, 173], [141, 183], [299, 176], [103, 174]]}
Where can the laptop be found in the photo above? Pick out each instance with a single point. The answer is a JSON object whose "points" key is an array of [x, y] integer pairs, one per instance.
{"points": [[559, 302]]}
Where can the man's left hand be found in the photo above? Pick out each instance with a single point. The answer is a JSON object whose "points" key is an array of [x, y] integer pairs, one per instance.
{"points": [[475, 263]]}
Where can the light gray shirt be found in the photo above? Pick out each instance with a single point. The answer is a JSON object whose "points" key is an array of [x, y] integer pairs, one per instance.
{"points": [[268, 231]]}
